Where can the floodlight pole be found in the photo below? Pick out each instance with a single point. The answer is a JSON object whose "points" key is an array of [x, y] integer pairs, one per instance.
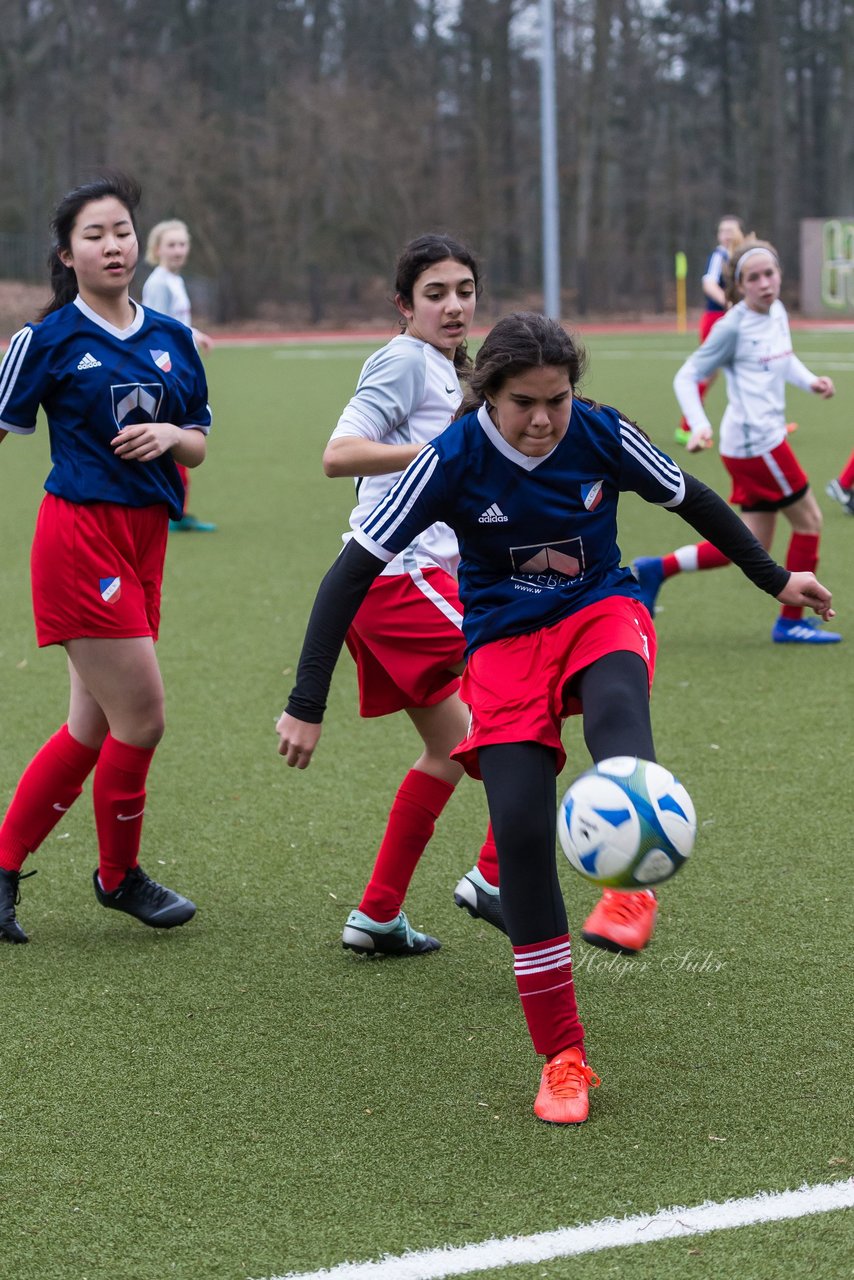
{"points": [[548, 162]]}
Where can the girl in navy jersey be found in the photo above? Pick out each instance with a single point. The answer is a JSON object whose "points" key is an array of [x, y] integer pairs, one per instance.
{"points": [[753, 346], [406, 639], [529, 478], [125, 398], [730, 237], [167, 249]]}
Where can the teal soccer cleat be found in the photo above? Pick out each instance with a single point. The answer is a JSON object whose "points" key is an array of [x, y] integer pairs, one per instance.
{"points": [[369, 937]]}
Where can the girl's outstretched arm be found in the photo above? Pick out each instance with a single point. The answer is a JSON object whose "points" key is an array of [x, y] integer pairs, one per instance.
{"points": [[335, 606]]}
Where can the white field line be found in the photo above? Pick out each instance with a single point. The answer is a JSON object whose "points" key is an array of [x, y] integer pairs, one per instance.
{"points": [[608, 1233]]}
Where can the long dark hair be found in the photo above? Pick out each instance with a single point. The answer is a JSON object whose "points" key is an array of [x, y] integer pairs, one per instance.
{"points": [[422, 253], [521, 341], [63, 280]]}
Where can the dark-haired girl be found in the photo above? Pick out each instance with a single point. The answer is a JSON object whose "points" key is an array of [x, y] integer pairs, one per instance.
{"points": [[407, 638], [529, 478], [125, 398]]}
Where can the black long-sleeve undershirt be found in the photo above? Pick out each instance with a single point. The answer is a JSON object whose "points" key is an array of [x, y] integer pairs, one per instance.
{"points": [[716, 521], [347, 583], [336, 604]]}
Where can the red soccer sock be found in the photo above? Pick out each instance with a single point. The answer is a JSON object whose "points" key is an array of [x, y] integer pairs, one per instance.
{"points": [[419, 801], [487, 861], [543, 972], [184, 473], [701, 555], [118, 792], [708, 557], [802, 556], [846, 479], [49, 785]]}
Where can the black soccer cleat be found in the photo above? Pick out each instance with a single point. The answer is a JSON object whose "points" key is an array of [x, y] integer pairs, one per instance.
{"points": [[152, 903], [480, 904], [10, 896]]}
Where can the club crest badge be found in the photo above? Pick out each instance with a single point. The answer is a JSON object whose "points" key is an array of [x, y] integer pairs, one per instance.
{"points": [[591, 495], [136, 402], [162, 359], [110, 589]]}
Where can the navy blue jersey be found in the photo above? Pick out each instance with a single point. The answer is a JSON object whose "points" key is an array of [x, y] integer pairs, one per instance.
{"points": [[538, 536], [93, 379], [715, 271]]}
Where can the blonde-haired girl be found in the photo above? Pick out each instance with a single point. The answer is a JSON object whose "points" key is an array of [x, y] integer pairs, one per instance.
{"points": [[167, 249]]}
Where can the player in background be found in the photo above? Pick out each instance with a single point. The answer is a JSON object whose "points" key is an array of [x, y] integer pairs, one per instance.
{"points": [[167, 250], [406, 639], [753, 346], [842, 488], [730, 236], [552, 620], [125, 397]]}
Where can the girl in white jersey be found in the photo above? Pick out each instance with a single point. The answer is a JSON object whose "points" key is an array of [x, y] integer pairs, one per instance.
{"points": [[753, 346], [166, 250], [407, 640]]}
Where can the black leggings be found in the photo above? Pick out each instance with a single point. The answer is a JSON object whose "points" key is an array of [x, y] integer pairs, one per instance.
{"points": [[520, 783]]}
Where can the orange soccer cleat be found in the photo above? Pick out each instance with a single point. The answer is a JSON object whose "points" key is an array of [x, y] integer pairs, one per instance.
{"points": [[562, 1098], [621, 921]]}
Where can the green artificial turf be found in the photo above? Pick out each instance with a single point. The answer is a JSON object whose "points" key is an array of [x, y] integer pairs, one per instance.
{"points": [[242, 1098]]}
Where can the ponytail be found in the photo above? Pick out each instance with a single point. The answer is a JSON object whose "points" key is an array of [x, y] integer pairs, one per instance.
{"points": [[63, 283]]}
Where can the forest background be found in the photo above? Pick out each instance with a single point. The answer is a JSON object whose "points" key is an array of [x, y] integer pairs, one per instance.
{"points": [[304, 141]]}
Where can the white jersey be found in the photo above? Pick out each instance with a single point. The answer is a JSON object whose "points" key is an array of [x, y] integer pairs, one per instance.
{"points": [[755, 352], [407, 393], [164, 291]]}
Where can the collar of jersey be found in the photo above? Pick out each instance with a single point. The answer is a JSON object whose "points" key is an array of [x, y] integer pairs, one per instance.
{"points": [[122, 334], [513, 455]]}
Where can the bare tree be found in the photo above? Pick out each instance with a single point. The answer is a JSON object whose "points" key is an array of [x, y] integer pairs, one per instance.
{"points": [[305, 141]]}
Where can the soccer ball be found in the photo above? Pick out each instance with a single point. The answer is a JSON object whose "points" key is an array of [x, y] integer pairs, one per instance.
{"points": [[627, 823]]}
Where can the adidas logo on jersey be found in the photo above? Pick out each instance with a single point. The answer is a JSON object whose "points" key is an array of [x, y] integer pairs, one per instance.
{"points": [[89, 362], [493, 515]]}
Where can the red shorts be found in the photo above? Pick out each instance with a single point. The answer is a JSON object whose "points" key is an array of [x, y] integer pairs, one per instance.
{"points": [[708, 320], [97, 569], [768, 482], [406, 640], [518, 689]]}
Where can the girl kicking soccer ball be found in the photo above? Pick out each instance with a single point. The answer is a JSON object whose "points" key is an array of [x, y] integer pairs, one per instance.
{"points": [[529, 477]]}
